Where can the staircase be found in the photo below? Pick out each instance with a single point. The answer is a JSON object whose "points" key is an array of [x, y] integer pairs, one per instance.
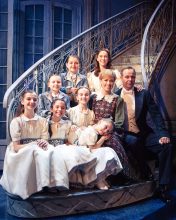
{"points": [[130, 57], [122, 34], [118, 33]]}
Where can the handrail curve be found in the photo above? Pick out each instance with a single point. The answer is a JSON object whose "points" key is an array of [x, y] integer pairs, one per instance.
{"points": [[156, 35]]}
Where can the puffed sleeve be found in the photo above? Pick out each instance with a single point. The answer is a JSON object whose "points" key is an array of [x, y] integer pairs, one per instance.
{"points": [[118, 81], [92, 118], [87, 137], [15, 129], [90, 81], [44, 129], [119, 113]]}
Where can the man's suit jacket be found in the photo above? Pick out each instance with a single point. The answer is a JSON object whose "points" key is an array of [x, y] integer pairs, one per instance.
{"points": [[144, 104]]}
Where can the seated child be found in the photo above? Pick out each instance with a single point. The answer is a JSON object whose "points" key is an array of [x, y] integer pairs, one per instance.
{"points": [[72, 79], [45, 99], [27, 159], [84, 166], [81, 115], [94, 137]]}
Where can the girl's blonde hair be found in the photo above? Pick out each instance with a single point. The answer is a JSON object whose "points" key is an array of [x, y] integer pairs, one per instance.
{"points": [[107, 72]]}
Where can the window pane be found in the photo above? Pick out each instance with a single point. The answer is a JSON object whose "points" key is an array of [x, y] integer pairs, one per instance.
{"points": [[28, 61], [39, 28], [28, 46], [3, 57], [37, 57], [39, 12], [3, 39], [67, 15], [38, 45], [3, 6], [29, 12], [57, 43], [3, 89], [67, 31], [29, 27], [2, 113], [3, 21], [57, 30], [3, 75], [57, 14], [3, 130]]}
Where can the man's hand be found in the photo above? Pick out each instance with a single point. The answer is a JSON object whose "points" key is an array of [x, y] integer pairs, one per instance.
{"points": [[164, 140]]}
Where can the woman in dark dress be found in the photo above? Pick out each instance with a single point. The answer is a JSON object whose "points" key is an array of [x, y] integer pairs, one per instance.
{"points": [[107, 104]]}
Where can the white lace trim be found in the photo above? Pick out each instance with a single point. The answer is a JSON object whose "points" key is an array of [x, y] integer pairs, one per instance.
{"points": [[107, 98]]}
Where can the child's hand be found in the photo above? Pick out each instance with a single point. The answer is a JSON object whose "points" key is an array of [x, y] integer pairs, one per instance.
{"points": [[42, 144], [74, 128], [106, 137]]}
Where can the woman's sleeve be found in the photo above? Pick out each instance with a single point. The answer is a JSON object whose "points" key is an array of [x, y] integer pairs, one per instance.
{"points": [[90, 83], [119, 113]]}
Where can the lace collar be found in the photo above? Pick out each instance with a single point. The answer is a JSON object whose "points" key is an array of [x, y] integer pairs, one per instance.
{"points": [[108, 98]]}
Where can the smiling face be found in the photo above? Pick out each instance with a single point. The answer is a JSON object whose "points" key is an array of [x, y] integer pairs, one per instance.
{"points": [[72, 65], [103, 58], [58, 109], [29, 101], [54, 83], [83, 96], [107, 83], [104, 127], [128, 78]]}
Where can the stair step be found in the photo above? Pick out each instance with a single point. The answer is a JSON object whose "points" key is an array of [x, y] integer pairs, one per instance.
{"points": [[137, 67], [132, 60]]}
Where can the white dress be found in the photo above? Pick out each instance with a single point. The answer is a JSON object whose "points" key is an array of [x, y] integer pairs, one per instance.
{"points": [[108, 162], [27, 171], [80, 164]]}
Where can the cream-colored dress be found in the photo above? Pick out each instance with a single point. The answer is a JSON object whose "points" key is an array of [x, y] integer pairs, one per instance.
{"points": [[27, 171], [95, 85], [80, 118], [80, 164], [108, 162]]}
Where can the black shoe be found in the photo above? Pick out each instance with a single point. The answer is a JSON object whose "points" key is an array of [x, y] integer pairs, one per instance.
{"points": [[162, 193]]}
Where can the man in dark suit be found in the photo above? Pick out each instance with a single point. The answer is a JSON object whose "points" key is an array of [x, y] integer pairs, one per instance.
{"points": [[139, 136]]}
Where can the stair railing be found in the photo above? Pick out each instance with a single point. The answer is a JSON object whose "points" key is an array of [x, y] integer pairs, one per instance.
{"points": [[156, 35], [117, 33]]}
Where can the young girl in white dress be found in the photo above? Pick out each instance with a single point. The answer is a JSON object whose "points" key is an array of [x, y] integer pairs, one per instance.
{"points": [[81, 115], [79, 162], [27, 159], [94, 137], [85, 167]]}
